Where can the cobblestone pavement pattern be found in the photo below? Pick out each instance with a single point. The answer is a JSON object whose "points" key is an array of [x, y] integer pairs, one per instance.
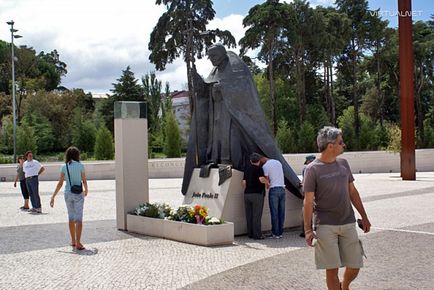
{"points": [[34, 249]]}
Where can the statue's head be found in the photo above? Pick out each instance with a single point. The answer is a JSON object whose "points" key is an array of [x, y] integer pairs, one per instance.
{"points": [[216, 54]]}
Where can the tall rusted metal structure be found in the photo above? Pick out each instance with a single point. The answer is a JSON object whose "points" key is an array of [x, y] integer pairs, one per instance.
{"points": [[406, 79]]}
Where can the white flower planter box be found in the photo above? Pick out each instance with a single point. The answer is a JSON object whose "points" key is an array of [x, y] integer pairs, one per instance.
{"points": [[210, 235]]}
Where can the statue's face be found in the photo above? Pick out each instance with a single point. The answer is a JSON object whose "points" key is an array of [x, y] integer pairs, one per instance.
{"points": [[216, 56]]}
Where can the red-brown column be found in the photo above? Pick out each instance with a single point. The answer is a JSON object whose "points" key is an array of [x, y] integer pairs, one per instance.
{"points": [[406, 70]]}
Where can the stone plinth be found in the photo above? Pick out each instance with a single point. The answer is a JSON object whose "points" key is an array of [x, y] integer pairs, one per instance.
{"points": [[131, 170], [227, 201], [203, 235]]}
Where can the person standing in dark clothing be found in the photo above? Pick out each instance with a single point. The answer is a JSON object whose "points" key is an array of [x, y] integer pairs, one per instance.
{"points": [[254, 192], [22, 179]]}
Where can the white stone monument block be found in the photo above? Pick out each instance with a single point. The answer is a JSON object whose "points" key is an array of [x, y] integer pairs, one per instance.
{"points": [[226, 201]]}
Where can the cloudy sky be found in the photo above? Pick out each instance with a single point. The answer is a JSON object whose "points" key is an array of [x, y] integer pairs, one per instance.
{"points": [[98, 39]]}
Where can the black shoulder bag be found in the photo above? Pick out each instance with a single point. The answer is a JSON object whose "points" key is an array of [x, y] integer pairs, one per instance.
{"points": [[77, 189]]}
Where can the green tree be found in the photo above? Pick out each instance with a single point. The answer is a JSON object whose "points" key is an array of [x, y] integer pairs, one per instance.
{"points": [[300, 32], [26, 139], [152, 92], [429, 127], [379, 37], [166, 104], [381, 99], [285, 97], [380, 137], [53, 58], [85, 101], [125, 89], [104, 148], [423, 42], [5, 106], [306, 138], [367, 140], [264, 28], [394, 132], [58, 108], [181, 30], [361, 35], [317, 116], [332, 33], [31, 73], [284, 137], [5, 71], [172, 141], [83, 131], [7, 135], [43, 131], [346, 124]]}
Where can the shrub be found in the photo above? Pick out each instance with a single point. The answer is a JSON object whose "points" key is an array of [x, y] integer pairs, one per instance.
{"points": [[346, 123], [7, 136], [380, 137], [428, 125], [104, 148], [83, 156], [394, 133], [172, 142], [306, 138], [283, 137], [43, 131], [26, 139], [61, 156], [6, 159], [367, 140], [83, 132]]}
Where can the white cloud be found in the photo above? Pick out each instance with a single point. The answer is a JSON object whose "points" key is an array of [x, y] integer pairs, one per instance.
{"points": [[96, 39]]}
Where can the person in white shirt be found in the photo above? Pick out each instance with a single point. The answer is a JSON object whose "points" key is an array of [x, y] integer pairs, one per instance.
{"points": [[32, 169], [274, 181]]}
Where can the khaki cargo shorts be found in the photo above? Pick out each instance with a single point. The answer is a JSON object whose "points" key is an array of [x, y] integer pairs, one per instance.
{"points": [[338, 246]]}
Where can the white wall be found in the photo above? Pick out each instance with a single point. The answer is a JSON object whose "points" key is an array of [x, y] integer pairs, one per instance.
{"points": [[360, 162]]}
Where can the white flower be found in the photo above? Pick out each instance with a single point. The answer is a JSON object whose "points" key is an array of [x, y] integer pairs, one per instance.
{"points": [[214, 220]]}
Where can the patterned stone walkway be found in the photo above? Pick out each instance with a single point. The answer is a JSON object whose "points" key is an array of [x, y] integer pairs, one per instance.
{"points": [[34, 249]]}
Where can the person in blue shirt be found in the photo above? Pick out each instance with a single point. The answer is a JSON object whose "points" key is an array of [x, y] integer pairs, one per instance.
{"points": [[73, 172]]}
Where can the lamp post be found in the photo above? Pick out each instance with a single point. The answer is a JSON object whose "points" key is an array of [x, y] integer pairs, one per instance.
{"points": [[11, 23]]}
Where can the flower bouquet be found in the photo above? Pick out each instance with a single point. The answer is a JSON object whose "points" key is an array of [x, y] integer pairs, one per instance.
{"points": [[197, 214]]}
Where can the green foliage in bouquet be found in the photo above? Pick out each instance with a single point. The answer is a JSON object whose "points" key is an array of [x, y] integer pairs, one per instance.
{"points": [[182, 214], [147, 210]]}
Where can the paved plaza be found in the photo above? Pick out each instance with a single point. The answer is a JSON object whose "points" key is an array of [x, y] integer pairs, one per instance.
{"points": [[34, 250]]}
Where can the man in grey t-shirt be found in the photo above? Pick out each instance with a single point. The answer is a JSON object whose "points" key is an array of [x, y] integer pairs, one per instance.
{"points": [[329, 192]]}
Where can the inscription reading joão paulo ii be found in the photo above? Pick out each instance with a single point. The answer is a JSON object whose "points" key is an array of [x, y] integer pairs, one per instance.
{"points": [[197, 194]]}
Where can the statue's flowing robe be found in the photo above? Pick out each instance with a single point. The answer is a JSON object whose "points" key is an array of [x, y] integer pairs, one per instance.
{"points": [[249, 131]]}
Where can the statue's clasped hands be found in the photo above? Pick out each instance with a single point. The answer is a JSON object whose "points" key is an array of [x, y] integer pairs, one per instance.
{"points": [[217, 92]]}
